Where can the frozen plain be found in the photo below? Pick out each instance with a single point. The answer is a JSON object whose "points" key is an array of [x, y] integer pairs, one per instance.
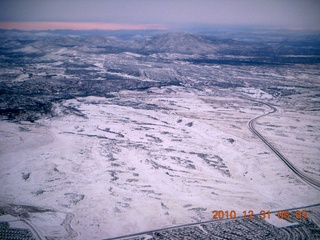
{"points": [[121, 170], [164, 156]]}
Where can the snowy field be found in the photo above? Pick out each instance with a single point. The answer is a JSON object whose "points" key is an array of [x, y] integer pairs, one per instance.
{"points": [[170, 157], [102, 137]]}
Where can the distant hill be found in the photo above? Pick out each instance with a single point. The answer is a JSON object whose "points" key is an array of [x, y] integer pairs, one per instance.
{"points": [[178, 43]]}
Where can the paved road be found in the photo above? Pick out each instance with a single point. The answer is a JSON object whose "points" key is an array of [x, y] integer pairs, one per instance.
{"points": [[311, 181]]}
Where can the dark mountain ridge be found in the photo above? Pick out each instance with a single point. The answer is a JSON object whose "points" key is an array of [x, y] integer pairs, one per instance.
{"points": [[184, 43]]}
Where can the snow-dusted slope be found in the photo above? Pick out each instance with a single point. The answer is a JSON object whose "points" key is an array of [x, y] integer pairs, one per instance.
{"points": [[179, 43]]}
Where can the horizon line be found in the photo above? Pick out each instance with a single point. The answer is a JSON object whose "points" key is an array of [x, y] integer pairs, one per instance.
{"points": [[102, 26], [46, 26]]}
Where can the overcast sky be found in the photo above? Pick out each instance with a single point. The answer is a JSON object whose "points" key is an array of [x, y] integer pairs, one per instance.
{"points": [[159, 13]]}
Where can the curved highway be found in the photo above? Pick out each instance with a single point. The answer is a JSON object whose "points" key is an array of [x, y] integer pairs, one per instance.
{"points": [[311, 181]]}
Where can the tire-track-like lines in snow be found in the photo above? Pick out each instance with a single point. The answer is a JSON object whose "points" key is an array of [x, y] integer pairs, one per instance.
{"points": [[311, 181]]}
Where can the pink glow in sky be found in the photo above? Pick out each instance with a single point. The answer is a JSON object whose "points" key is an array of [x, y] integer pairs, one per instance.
{"points": [[155, 14], [77, 26]]}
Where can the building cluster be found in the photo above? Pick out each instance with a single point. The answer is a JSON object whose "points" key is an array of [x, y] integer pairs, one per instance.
{"points": [[255, 229]]}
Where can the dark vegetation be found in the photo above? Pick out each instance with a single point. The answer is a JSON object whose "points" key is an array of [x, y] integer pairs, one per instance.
{"points": [[29, 100]]}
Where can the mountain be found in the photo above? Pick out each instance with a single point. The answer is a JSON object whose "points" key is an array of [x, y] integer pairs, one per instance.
{"points": [[178, 43]]}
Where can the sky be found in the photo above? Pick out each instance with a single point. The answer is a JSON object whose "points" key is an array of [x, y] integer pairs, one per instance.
{"points": [[156, 14]]}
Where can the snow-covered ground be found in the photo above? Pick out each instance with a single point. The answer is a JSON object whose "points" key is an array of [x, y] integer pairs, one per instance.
{"points": [[146, 160]]}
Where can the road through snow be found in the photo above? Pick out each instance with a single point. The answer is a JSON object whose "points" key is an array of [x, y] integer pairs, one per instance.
{"points": [[312, 182]]}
